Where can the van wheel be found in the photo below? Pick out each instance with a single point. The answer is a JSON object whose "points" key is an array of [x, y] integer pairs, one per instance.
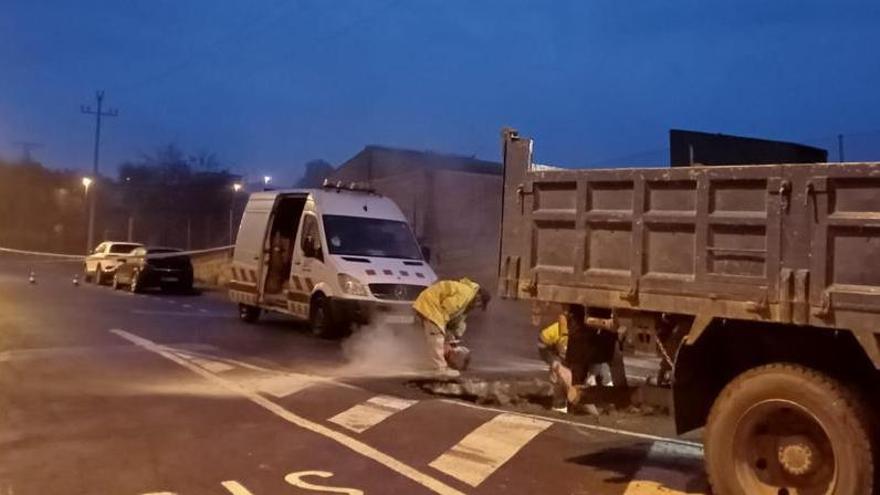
{"points": [[248, 313], [321, 319], [784, 428]]}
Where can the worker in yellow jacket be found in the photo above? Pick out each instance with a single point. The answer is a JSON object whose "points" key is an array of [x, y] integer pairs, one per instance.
{"points": [[584, 363], [552, 346], [442, 309]]}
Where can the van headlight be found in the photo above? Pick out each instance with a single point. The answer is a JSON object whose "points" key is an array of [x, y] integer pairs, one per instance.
{"points": [[352, 286]]}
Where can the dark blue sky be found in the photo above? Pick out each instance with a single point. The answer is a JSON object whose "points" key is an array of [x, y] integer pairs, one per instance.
{"points": [[271, 84]]}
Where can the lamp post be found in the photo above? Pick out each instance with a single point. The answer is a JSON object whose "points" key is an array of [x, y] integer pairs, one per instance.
{"points": [[87, 182], [266, 180], [235, 189]]}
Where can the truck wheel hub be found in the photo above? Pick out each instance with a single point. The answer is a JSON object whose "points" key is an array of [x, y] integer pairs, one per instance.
{"points": [[797, 455]]}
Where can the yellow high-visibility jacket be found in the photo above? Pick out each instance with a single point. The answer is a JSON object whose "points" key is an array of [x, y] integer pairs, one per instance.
{"points": [[555, 336], [445, 300]]}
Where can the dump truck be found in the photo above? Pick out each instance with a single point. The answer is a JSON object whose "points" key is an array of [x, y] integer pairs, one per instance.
{"points": [[757, 286]]}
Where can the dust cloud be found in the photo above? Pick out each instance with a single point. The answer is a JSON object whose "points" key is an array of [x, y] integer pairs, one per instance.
{"points": [[383, 349]]}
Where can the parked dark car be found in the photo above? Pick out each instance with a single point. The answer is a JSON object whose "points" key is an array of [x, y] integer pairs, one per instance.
{"points": [[154, 267]]}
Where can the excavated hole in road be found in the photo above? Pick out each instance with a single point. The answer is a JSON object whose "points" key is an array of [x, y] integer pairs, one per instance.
{"points": [[491, 392], [516, 392]]}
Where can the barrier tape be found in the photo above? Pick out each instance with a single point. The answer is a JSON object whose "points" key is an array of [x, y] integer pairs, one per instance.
{"points": [[79, 257]]}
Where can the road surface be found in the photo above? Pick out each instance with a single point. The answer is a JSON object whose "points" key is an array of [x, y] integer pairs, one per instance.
{"points": [[105, 392]]}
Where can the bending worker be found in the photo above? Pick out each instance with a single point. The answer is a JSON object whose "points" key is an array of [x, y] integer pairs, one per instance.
{"points": [[442, 309], [577, 359]]}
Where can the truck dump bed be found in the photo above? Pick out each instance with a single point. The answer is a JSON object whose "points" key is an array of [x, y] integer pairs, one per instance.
{"points": [[795, 244]]}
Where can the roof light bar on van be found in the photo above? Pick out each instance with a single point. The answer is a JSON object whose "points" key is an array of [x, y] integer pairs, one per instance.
{"points": [[351, 186]]}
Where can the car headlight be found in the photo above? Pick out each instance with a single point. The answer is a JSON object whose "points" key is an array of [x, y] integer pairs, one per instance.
{"points": [[352, 286]]}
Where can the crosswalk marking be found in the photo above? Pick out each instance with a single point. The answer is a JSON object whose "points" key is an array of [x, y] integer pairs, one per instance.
{"points": [[346, 441], [675, 478], [488, 447], [367, 414]]}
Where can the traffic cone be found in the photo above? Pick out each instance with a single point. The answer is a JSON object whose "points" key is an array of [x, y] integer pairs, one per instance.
{"points": [[76, 280], [32, 278]]}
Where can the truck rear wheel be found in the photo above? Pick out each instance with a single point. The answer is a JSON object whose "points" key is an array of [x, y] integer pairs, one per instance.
{"points": [[784, 429]]}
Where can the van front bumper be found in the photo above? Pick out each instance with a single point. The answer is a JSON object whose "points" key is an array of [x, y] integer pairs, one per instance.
{"points": [[364, 312]]}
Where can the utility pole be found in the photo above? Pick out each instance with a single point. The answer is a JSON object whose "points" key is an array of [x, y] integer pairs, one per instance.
{"points": [[98, 113], [26, 148]]}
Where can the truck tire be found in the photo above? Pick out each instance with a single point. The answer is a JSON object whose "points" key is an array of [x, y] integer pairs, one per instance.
{"points": [[248, 313], [784, 428]]}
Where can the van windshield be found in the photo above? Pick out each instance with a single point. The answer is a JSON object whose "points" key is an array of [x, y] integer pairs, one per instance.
{"points": [[358, 236]]}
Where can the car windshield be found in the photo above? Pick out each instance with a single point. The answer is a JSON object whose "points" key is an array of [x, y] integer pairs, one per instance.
{"points": [[123, 248], [360, 236]]}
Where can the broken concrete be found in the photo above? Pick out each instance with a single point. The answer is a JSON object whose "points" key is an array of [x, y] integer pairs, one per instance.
{"points": [[491, 392]]}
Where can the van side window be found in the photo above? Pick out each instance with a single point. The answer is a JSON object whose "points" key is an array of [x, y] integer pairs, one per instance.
{"points": [[310, 241]]}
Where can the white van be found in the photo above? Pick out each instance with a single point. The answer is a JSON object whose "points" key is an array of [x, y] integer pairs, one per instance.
{"points": [[333, 257]]}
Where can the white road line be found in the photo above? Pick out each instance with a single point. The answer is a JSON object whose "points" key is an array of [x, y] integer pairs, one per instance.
{"points": [[235, 488], [210, 364], [177, 313], [351, 443], [488, 447], [203, 310], [187, 306], [651, 479], [281, 386], [586, 426], [366, 415]]}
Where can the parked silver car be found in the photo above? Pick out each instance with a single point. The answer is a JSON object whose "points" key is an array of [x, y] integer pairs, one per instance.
{"points": [[101, 263]]}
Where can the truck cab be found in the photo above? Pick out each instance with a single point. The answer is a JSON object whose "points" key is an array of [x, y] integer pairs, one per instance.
{"points": [[334, 257]]}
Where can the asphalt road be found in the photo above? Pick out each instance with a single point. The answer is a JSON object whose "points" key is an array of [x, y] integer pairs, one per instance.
{"points": [[105, 392]]}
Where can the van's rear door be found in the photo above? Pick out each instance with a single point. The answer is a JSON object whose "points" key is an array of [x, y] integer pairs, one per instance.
{"points": [[247, 257]]}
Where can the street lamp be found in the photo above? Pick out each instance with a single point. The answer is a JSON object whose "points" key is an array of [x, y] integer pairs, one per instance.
{"points": [[87, 182], [236, 187], [266, 180]]}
